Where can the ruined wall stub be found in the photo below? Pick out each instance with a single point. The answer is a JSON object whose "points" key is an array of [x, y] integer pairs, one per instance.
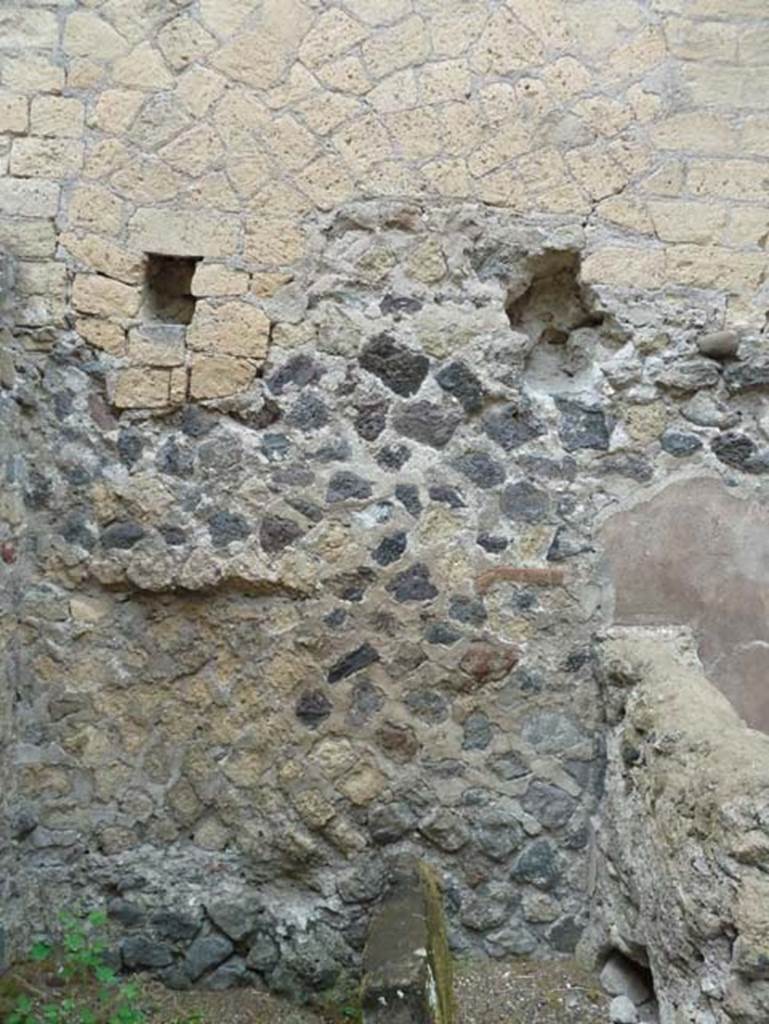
{"points": [[337, 329]]}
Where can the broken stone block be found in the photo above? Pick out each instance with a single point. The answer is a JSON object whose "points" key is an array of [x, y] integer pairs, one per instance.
{"points": [[406, 963]]}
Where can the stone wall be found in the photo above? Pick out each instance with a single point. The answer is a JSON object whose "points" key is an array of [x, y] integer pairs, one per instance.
{"points": [[338, 330]]}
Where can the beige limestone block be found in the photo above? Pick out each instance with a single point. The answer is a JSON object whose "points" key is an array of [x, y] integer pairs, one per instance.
{"points": [[755, 135], [219, 376], [298, 85], [255, 58], [627, 212], [57, 115], [735, 179], [115, 110], [379, 12], [603, 115], [41, 278], [326, 182], [142, 68], [753, 43], [667, 180], [224, 17], [26, 28], [715, 267], [264, 285], [105, 157], [156, 345], [101, 296], [29, 239], [178, 386], [426, 262], [13, 112], [291, 143], [213, 191], [194, 151], [89, 609], [198, 88], [361, 144], [445, 80], [232, 328], [334, 755], [46, 158], [402, 45], [183, 41], [416, 134], [322, 114], [499, 149], [625, 267], [313, 808], [83, 73], [748, 225], [346, 75], [248, 167], [505, 46], [333, 34], [183, 233], [273, 242], [396, 92], [701, 40], [462, 128], [679, 221], [567, 78], [102, 334], [88, 35], [29, 198], [239, 115], [32, 73], [147, 181], [216, 279], [725, 86], [595, 172], [94, 208], [141, 388], [449, 178]]}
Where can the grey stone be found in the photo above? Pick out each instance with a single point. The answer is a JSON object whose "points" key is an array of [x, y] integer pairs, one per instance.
{"points": [[458, 380], [205, 953], [551, 732], [523, 502], [175, 925], [352, 662], [514, 939], [486, 906], [442, 633], [308, 413], [622, 1011], [400, 369], [312, 707], [300, 371], [719, 344], [390, 548], [413, 584], [476, 731], [706, 411], [750, 375], [408, 496], [551, 806], [566, 544], [538, 864], [734, 449], [447, 495], [347, 486], [564, 935], [236, 920], [508, 766], [389, 822], [689, 375], [497, 829], [581, 426], [445, 829], [141, 951], [263, 953], [316, 956], [226, 527], [128, 914], [367, 699], [371, 420], [481, 469], [231, 974], [628, 464], [393, 457], [621, 977], [123, 535], [277, 533], [679, 444], [469, 610], [510, 426], [365, 883], [428, 423]]}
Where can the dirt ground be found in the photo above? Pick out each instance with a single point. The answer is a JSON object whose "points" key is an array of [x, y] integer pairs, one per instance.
{"points": [[487, 992]]}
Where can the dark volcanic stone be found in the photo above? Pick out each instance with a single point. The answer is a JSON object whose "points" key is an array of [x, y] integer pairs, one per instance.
{"points": [[128, 914], [263, 954], [174, 536], [274, 447], [524, 503], [511, 426], [458, 380], [413, 585], [446, 495], [467, 609], [173, 460], [352, 662], [277, 533], [236, 920], [564, 935], [548, 469], [393, 456], [221, 455], [390, 548], [306, 508], [141, 951], [508, 766], [408, 496], [551, 806], [121, 535], [77, 531], [680, 444], [397, 304], [427, 423], [445, 829], [481, 469], [626, 464], [308, 413], [492, 544], [733, 448], [345, 485], [581, 426], [338, 450], [429, 705], [196, 422], [301, 370], [205, 953], [367, 699], [371, 420], [476, 731], [442, 633], [129, 446], [312, 707], [178, 927], [226, 527], [390, 822], [566, 544], [538, 864], [400, 369], [748, 376]]}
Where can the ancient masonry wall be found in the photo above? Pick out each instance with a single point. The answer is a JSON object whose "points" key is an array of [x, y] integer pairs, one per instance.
{"points": [[336, 329]]}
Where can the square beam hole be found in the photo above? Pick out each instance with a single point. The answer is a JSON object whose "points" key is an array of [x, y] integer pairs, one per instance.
{"points": [[168, 297]]}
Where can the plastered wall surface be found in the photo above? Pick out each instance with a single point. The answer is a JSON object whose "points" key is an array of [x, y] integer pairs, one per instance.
{"points": [[330, 333]]}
